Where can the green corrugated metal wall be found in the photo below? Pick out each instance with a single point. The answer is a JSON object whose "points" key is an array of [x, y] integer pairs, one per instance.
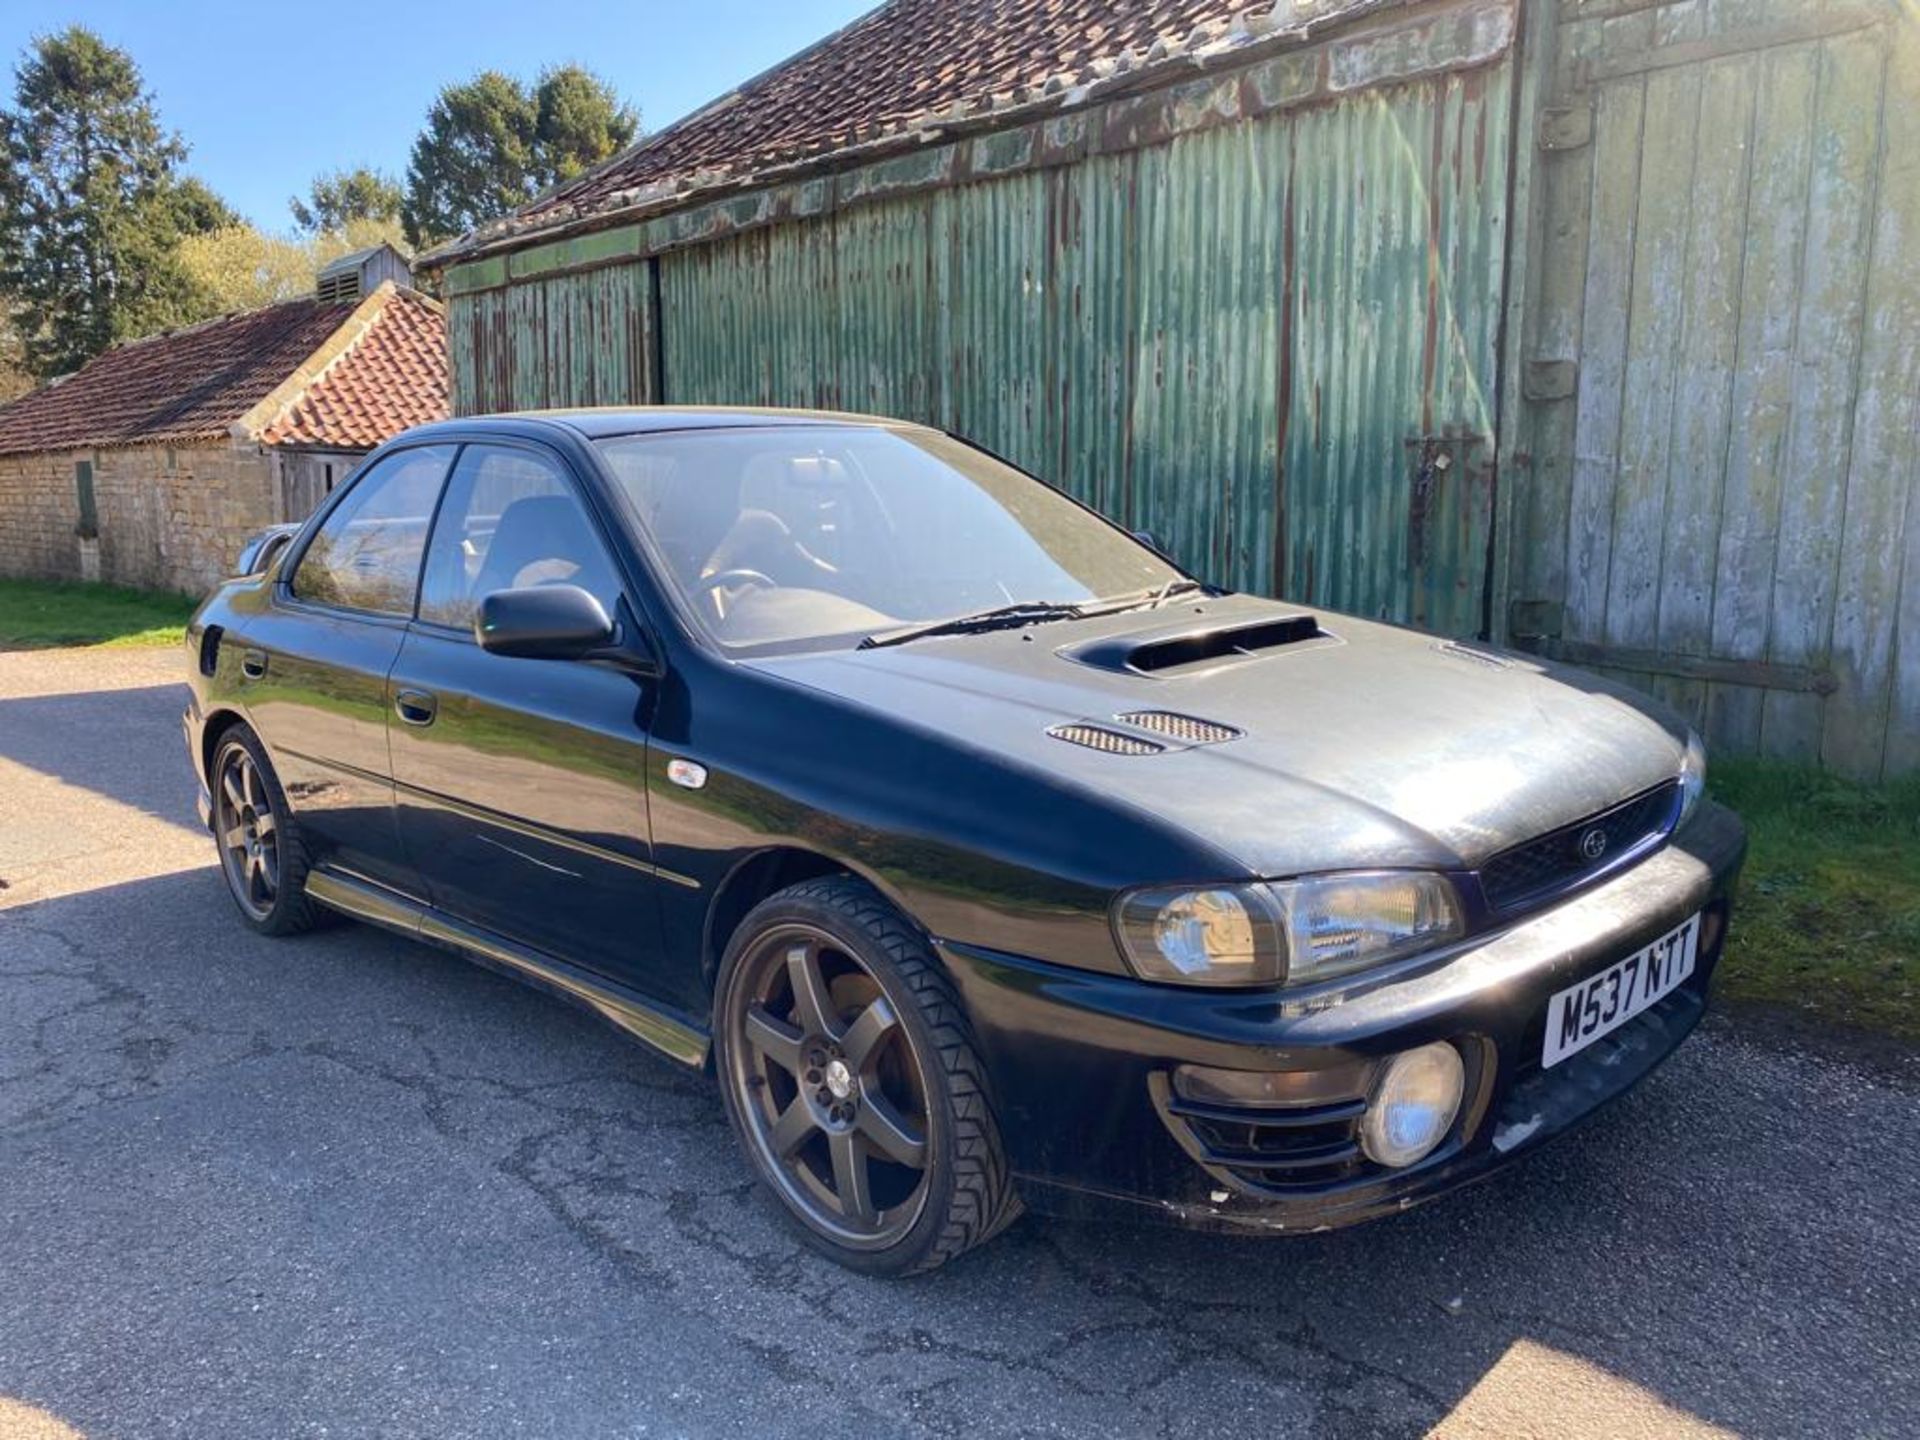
{"points": [[1199, 337], [1278, 341], [577, 339]]}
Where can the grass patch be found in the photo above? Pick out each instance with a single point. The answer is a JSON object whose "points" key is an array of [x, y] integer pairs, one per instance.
{"points": [[36, 614], [1827, 919]]}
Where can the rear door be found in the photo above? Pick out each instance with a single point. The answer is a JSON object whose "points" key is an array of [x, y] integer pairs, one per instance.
{"points": [[522, 783], [314, 664]]}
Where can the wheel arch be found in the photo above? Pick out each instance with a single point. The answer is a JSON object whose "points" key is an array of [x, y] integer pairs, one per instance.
{"points": [[766, 872], [212, 729]]}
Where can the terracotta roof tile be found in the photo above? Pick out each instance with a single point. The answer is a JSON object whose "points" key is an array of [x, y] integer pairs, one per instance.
{"points": [[908, 61], [180, 385], [196, 383], [393, 377]]}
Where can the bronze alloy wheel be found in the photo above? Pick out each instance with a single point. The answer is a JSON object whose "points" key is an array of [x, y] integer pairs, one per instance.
{"points": [[832, 1093], [263, 853], [851, 1076], [248, 831]]}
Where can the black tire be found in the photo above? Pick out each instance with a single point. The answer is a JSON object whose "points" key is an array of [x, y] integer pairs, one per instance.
{"points": [[908, 1066], [263, 855]]}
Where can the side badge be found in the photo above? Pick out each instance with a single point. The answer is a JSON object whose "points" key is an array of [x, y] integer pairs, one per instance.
{"points": [[686, 774]]}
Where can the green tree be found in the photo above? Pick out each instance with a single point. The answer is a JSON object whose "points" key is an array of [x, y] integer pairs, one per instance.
{"points": [[579, 122], [92, 205], [340, 197], [15, 379], [492, 144], [239, 268]]}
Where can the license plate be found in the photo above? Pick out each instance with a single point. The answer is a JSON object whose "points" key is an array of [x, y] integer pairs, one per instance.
{"points": [[1601, 1004]]}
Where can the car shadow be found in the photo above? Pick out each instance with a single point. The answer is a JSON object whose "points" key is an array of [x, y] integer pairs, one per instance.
{"points": [[352, 1124], [104, 741]]}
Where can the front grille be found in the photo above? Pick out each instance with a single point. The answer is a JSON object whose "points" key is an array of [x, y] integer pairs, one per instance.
{"points": [[1112, 742], [1563, 859], [1180, 727], [1270, 1149]]}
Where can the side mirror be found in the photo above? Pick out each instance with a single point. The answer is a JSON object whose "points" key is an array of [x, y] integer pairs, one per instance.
{"points": [[1152, 542], [260, 550], [543, 622]]}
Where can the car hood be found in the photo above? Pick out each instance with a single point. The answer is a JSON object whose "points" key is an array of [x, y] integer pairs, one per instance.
{"points": [[1361, 744]]}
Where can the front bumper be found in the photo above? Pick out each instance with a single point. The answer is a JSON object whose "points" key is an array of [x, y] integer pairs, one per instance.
{"points": [[1081, 1062]]}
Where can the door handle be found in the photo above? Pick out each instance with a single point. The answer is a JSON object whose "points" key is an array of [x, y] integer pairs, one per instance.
{"points": [[253, 664], [416, 707]]}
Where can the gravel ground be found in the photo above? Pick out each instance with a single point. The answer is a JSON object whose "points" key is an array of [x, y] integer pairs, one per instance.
{"points": [[349, 1186]]}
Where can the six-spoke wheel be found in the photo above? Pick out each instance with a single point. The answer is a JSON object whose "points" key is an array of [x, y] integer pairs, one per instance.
{"points": [[853, 1082], [261, 853]]}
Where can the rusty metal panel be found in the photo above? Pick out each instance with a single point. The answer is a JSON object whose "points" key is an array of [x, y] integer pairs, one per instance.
{"points": [[751, 320], [1272, 342], [884, 316], [1212, 248], [1095, 236], [582, 338], [1396, 220]]}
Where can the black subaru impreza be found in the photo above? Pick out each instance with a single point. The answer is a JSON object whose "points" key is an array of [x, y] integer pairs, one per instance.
{"points": [[987, 858]]}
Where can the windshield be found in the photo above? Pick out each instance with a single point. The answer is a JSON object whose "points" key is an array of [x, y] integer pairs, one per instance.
{"points": [[789, 536]]}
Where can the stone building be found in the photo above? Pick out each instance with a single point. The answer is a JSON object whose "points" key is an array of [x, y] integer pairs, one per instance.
{"points": [[152, 463]]}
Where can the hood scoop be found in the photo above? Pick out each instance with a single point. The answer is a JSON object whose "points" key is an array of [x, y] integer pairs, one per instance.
{"points": [[1196, 647]]}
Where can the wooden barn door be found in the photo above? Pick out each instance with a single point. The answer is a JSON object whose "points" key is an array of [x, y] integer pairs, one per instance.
{"points": [[1721, 362]]}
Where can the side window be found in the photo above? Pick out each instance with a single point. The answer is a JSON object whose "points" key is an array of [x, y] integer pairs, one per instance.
{"points": [[367, 554], [511, 519]]}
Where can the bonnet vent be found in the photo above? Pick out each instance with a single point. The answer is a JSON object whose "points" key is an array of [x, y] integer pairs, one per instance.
{"points": [[1186, 728], [1097, 737], [1197, 647]]}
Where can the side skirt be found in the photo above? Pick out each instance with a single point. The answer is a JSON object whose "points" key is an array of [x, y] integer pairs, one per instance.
{"points": [[674, 1036]]}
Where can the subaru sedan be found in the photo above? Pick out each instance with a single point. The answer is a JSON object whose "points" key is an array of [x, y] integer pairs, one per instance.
{"points": [[983, 856]]}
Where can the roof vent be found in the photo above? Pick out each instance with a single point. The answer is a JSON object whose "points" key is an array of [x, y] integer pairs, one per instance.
{"points": [[1098, 737], [1187, 728], [359, 273]]}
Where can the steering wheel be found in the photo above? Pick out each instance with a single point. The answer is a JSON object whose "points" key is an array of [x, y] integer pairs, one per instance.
{"points": [[712, 585]]}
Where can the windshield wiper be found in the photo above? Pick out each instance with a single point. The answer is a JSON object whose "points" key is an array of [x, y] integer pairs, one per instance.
{"points": [[1003, 617], [1148, 599], [1172, 588]]}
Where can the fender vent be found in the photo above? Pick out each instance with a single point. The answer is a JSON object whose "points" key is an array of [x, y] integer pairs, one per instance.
{"points": [[1180, 727], [1096, 737]]}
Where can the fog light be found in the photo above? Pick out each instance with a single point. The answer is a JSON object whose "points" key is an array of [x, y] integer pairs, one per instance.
{"points": [[1415, 1099]]}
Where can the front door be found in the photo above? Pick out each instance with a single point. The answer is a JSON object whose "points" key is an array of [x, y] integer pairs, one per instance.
{"points": [[521, 784], [314, 663]]}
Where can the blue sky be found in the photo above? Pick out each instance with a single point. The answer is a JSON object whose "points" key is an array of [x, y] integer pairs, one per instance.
{"points": [[267, 95]]}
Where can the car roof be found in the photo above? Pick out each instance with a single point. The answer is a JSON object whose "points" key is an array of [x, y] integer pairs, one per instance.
{"points": [[600, 423]]}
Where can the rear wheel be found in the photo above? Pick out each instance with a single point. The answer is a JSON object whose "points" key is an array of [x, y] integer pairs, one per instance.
{"points": [[851, 1078], [262, 853]]}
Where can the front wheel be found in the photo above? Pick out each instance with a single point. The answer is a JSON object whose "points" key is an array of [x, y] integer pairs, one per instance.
{"points": [[851, 1079]]}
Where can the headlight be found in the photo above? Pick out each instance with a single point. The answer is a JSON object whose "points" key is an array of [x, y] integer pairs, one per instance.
{"points": [[1693, 774], [1337, 924], [1292, 930], [1217, 935]]}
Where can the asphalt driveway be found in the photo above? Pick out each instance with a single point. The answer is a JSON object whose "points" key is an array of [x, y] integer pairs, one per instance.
{"points": [[350, 1186]]}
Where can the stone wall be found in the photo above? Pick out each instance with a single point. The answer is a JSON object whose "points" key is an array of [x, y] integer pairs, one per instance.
{"points": [[170, 518]]}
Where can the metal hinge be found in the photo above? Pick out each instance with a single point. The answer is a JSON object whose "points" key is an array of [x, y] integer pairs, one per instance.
{"points": [[1551, 379], [1567, 127]]}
